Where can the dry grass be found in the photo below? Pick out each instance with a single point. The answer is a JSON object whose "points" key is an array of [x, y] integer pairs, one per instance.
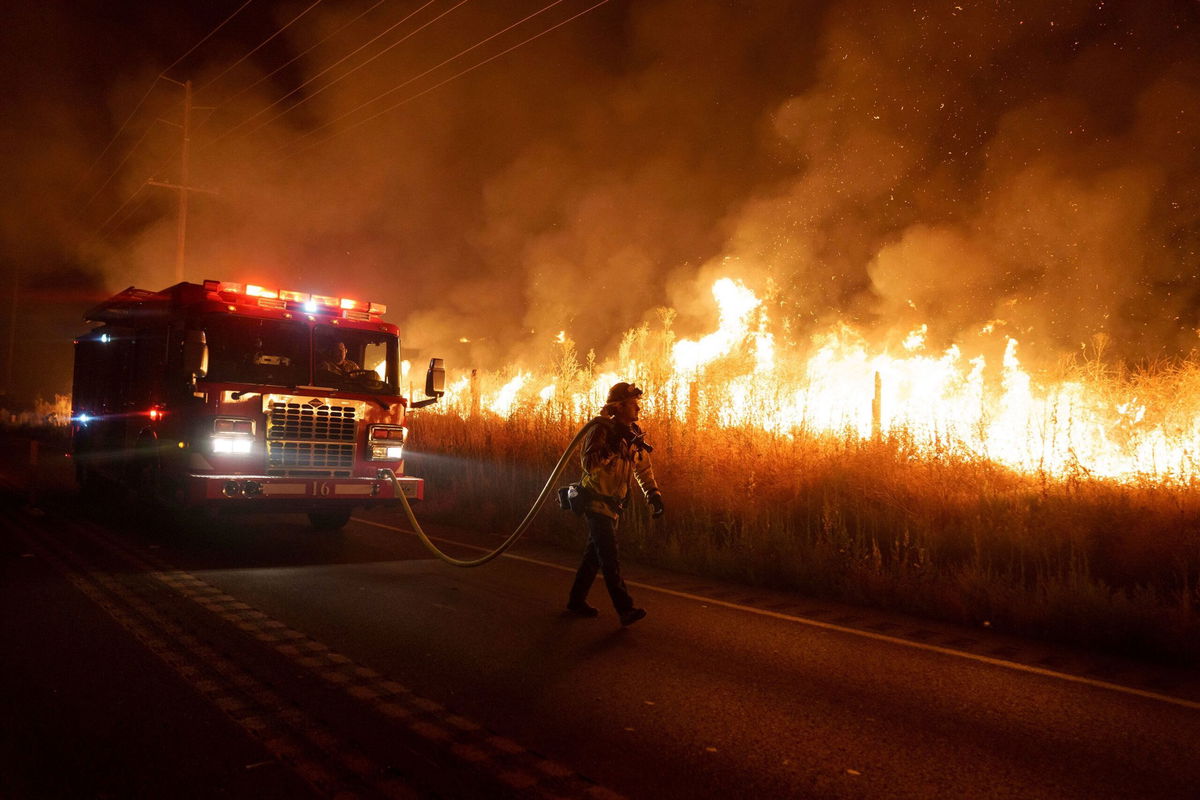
{"points": [[1106, 565]]}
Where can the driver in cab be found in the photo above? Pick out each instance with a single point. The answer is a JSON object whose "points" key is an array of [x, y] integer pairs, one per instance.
{"points": [[338, 364]]}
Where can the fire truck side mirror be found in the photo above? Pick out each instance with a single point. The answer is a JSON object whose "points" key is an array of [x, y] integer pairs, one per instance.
{"points": [[195, 354], [435, 379]]}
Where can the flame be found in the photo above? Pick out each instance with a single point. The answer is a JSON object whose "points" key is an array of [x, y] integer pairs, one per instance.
{"points": [[506, 399], [838, 383], [734, 302]]}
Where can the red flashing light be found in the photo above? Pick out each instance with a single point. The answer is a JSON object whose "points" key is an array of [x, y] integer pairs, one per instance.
{"points": [[312, 303], [156, 414]]}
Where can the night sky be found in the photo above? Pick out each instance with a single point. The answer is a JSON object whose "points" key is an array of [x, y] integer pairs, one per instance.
{"points": [[1032, 164]]}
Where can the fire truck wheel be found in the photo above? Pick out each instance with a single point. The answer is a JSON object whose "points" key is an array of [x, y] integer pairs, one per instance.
{"points": [[329, 520], [89, 482]]}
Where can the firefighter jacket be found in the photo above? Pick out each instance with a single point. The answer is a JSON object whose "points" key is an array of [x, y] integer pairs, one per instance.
{"points": [[611, 461]]}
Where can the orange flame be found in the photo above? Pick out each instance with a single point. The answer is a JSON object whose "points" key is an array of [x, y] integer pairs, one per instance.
{"points": [[942, 402]]}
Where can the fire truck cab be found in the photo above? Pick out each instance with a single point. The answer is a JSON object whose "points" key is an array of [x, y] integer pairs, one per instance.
{"points": [[236, 397]]}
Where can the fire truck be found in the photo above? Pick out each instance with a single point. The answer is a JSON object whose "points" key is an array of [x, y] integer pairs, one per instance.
{"points": [[235, 397]]}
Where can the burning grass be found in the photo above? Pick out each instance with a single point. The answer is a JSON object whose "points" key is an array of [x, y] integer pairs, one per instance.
{"points": [[1064, 504], [1109, 565]]}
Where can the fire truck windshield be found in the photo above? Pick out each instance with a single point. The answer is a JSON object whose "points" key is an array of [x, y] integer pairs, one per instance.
{"points": [[273, 352], [258, 351]]}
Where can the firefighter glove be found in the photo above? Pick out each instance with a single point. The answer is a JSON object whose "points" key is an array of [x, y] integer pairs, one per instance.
{"points": [[656, 504]]}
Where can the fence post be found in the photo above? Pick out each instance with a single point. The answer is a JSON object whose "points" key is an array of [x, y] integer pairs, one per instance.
{"points": [[877, 409], [475, 400]]}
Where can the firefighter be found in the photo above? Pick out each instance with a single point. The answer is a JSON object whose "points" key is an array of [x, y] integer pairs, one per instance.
{"points": [[614, 454], [338, 364]]}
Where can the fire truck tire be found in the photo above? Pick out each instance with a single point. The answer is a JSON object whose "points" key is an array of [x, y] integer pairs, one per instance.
{"points": [[329, 520], [88, 481]]}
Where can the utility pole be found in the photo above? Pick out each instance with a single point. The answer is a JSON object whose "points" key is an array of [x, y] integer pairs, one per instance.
{"points": [[181, 243], [12, 334], [182, 186]]}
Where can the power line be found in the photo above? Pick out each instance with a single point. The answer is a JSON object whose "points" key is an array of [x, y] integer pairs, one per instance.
{"points": [[116, 170], [153, 83], [434, 68], [124, 124], [359, 49], [206, 38], [350, 72], [472, 68], [294, 59], [261, 44], [104, 225]]}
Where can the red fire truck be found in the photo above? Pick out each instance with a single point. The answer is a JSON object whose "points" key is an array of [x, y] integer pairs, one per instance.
{"points": [[238, 397]]}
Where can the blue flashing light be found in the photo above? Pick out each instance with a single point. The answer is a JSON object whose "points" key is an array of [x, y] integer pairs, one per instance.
{"points": [[104, 338], [83, 419]]}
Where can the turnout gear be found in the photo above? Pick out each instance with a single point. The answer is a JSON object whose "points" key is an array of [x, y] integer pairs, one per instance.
{"points": [[620, 392], [656, 503], [614, 455]]}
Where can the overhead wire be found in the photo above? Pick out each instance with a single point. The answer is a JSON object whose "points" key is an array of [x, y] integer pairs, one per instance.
{"points": [[87, 173], [352, 53], [210, 34], [350, 72], [154, 83], [297, 57], [415, 78], [116, 170], [161, 76], [103, 227], [457, 75], [258, 47]]}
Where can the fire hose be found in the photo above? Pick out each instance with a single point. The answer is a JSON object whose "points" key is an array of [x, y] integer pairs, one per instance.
{"points": [[545, 494]]}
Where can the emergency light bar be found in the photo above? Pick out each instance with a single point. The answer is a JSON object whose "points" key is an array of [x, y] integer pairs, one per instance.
{"points": [[310, 303]]}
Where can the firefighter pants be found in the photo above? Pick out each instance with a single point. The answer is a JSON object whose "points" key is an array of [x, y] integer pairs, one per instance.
{"points": [[601, 555]]}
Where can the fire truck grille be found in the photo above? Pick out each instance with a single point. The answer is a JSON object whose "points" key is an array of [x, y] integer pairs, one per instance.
{"points": [[310, 442]]}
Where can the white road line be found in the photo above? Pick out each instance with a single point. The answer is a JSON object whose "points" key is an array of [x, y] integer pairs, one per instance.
{"points": [[880, 637]]}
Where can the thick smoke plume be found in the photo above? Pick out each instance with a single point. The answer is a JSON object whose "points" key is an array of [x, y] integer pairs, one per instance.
{"points": [[1033, 165]]}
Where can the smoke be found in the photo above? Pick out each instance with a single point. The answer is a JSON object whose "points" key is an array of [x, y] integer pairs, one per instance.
{"points": [[1028, 163]]}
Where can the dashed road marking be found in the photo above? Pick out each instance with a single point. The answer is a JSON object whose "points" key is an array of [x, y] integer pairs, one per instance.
{"points": [[290, 735], [502, 759]]}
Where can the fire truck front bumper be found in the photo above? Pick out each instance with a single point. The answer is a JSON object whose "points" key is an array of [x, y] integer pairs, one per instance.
{"points": [[287, 493]]}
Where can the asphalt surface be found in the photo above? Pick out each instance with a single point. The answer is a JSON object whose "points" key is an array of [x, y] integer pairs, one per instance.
{"points": [[256, 658]]}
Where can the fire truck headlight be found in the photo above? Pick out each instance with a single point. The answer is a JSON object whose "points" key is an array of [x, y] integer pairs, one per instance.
{"points": [[232, 445], [386, 452], [387, 442]]}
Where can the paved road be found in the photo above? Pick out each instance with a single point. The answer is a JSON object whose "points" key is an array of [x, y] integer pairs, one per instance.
{"points": [[259, 659]]}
